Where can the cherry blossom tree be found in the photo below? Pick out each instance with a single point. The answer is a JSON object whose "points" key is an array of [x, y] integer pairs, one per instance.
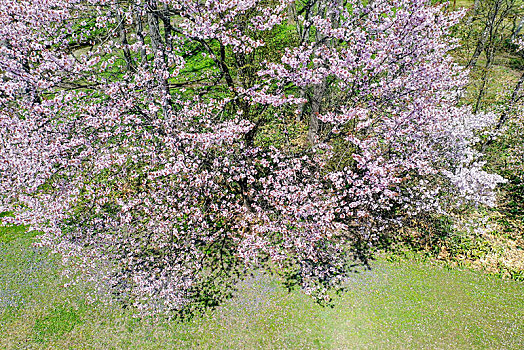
{"points": [[154, 144]]}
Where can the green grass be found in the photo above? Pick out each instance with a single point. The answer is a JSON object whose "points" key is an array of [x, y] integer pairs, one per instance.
{"points": [[57, 323], [397, 305]]}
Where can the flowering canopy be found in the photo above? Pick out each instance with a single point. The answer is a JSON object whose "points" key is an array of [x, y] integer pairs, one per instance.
{"points": [[154, 142]]}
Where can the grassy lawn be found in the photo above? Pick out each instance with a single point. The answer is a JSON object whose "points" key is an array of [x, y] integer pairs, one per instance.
{"points": [[407, 305]]}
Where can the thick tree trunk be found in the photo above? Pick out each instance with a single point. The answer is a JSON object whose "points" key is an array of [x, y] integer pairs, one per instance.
{"points": [[154, 28], [330, 9], [140, 35], [158, 46], [315, 124], [168, 28], [123, 39]]}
